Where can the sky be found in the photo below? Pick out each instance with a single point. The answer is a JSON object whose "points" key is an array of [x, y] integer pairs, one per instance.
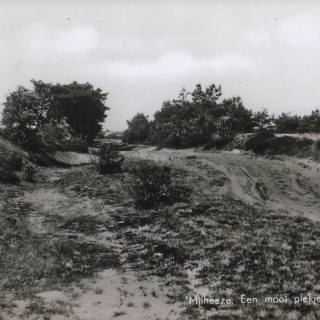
{"points": [[143, 52]]}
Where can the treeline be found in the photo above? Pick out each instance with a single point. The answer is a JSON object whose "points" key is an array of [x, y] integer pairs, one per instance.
{"points": [[53, 117], [198, 118]]}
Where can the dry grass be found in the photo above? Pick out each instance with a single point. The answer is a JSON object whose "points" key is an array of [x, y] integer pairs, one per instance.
{"points": [[229, 247]]}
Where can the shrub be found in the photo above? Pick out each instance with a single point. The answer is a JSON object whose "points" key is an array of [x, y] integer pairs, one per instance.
{"points": [[109, 159], [290, 145], [209, 145], [261, 146], [222, 142], [28, 171], [112, 136], [10, 164], [255, 143], [318, 144], [153, 186], [75, 144]]}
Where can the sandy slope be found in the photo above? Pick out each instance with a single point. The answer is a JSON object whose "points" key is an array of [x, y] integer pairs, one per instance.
{"points": [[282, 184]]}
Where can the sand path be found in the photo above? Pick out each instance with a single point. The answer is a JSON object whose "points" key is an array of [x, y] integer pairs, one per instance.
{"points": [[283, 185]]}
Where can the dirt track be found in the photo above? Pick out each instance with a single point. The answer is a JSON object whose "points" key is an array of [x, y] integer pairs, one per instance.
{"points": [[286, 186], [281, 183]]}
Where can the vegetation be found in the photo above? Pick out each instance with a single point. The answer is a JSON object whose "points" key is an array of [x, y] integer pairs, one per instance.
{"points": [[185, 122], [109, 159], [10, 165], [32, 117], [139, 129], [205, 120], [260, 141], [152, 186], [286, 123], [267, 142]]}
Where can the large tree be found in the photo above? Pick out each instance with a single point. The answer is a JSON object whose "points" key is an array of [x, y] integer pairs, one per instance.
{"points": [[79, 105]]}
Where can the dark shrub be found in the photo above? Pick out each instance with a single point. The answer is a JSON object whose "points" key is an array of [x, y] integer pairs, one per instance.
{"points": [[153, 186], [112, 136], [290, 145], [318, 144], [222, 142], [261, 146], [10, 163], [305, 143], [8, 176], [209, 145], [109, 159], [282, 144], [75, 144], [28, 171], [255, 144]]}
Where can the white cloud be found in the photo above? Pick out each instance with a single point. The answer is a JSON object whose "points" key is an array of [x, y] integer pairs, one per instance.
{"points": [[300, 31], [77, 40], [176, 65]]}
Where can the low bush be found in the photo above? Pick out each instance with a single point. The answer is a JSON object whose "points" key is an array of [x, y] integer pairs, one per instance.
{"points": [[290, 145], [222, 142], [109, 159], [209, 145], [28, 171], [285, 145], [75, 144], [112, 136], [260, 146], [255, 143], [10, 164], [153, 186]]}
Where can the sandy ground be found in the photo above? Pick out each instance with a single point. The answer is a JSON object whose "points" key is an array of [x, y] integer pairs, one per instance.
{"points": [[281, 184]]}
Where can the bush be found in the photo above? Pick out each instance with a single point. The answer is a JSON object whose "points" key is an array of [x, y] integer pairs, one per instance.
{"points": [[112, 136], [153, 186], [259, 142], [10, 164], [75, 144], [261, 146], [109, 159], [318, 144], [290, 145], [222, 142], [28, 171]]}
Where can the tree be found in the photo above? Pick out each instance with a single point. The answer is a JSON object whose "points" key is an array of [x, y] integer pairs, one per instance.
{"points": [[24, 113], [82, 106], [139, 129], [286, 123], [240, 118], [79, 106], [262, 119]]}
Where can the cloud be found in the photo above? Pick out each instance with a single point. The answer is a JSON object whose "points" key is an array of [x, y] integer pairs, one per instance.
{"points": [[300, 31], [176, 65], [76, 40]]}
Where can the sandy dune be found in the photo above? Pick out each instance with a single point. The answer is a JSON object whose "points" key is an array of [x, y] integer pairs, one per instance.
{"points": [[285, 185], [281, 183]]}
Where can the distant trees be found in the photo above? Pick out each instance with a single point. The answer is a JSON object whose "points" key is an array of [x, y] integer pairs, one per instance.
{"points": [[138, 129], [198, 117], [76, 108], [262, 119], [286, 123]]}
